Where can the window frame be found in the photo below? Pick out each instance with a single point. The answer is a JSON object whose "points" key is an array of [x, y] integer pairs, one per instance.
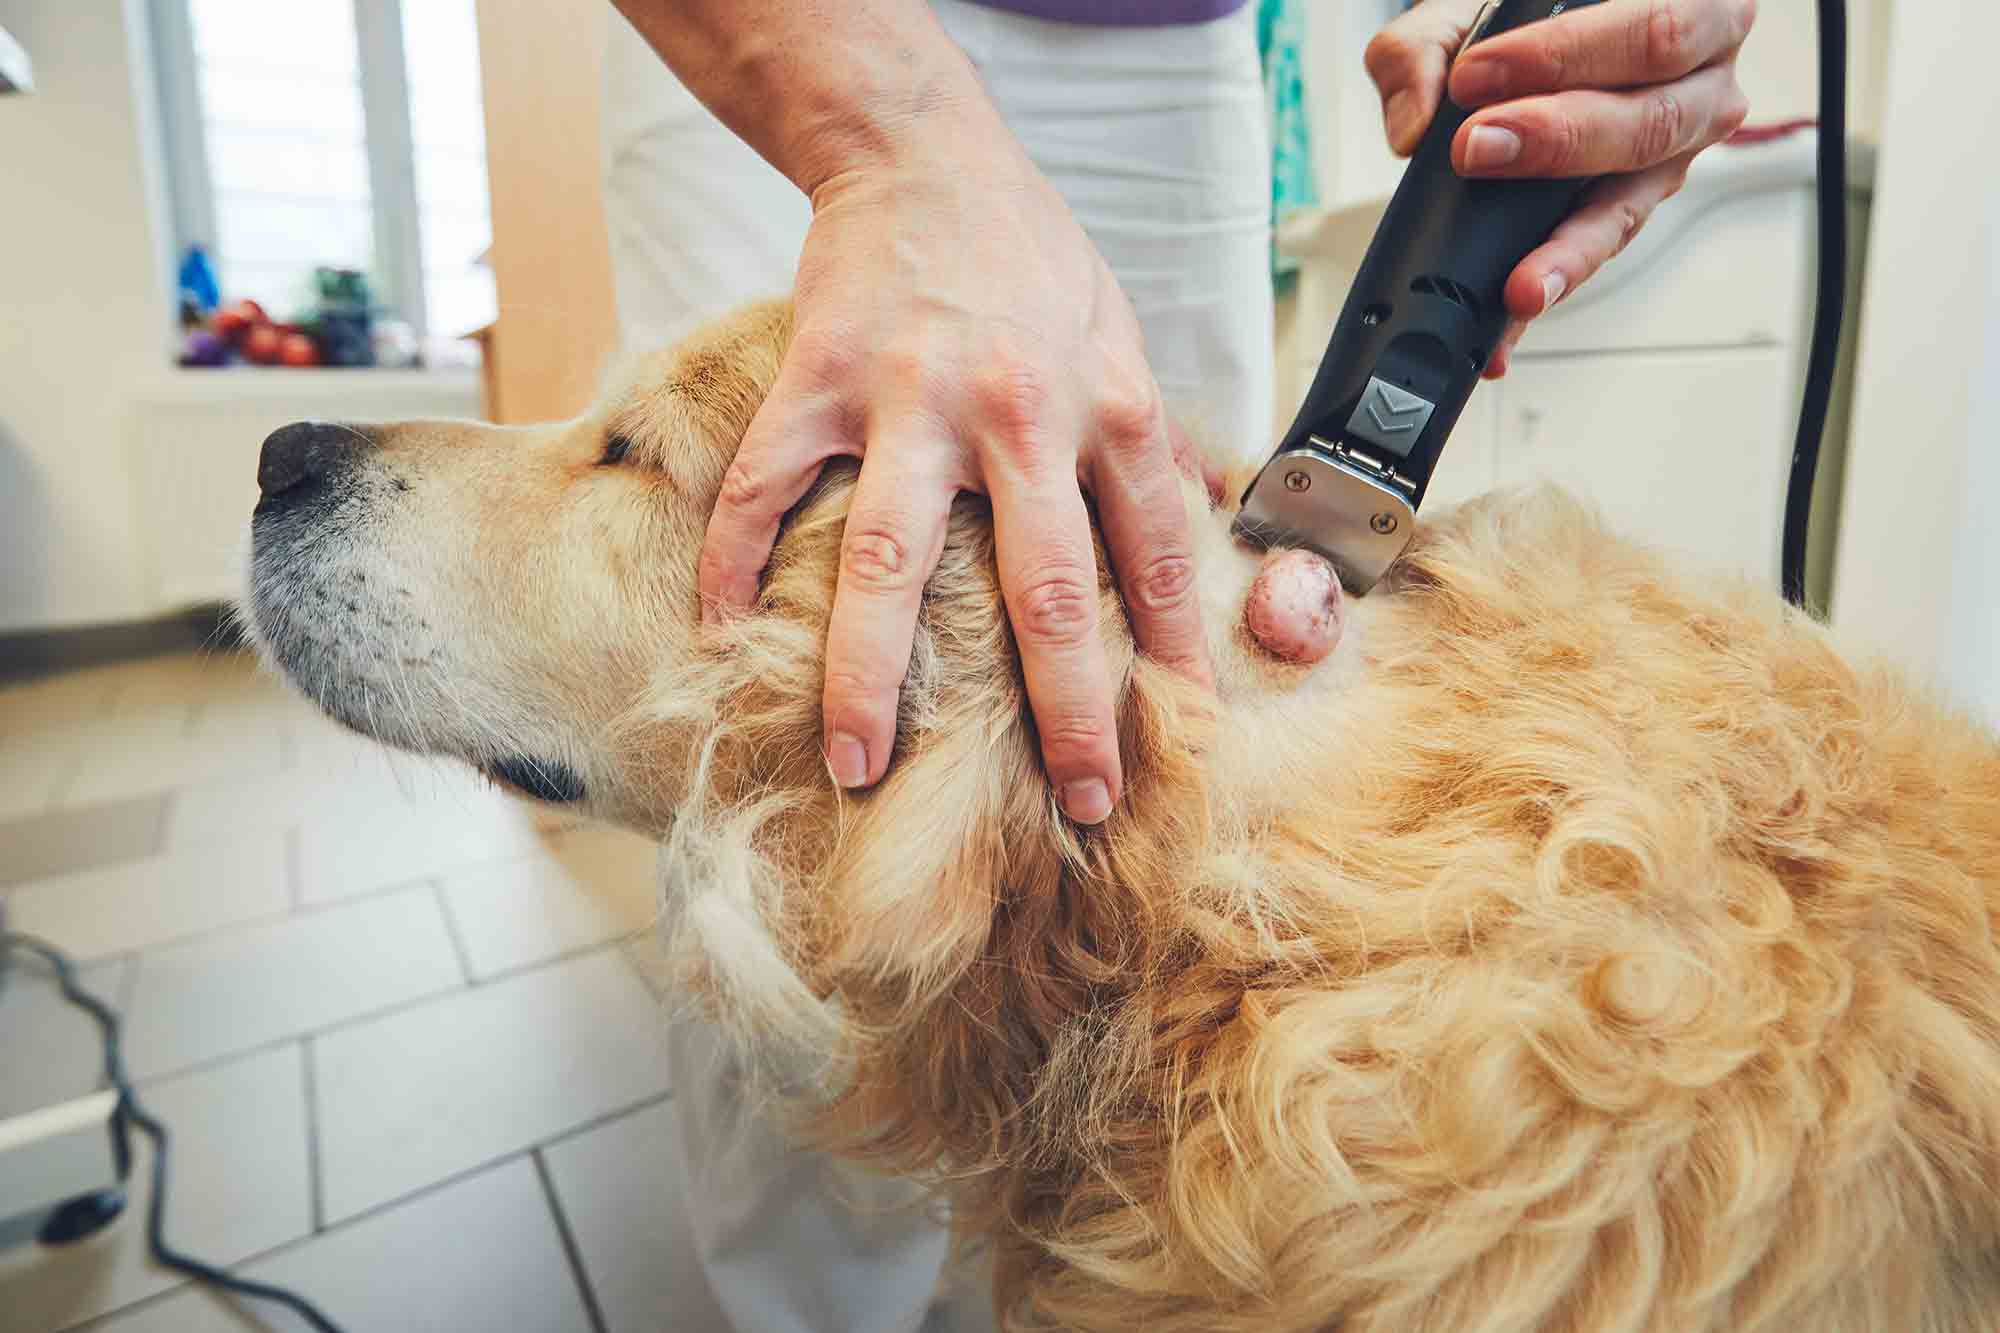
{"points": [[398, 270]]}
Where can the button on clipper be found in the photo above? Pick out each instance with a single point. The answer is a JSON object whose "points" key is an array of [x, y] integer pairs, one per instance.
{"points": [[1390, 418]]}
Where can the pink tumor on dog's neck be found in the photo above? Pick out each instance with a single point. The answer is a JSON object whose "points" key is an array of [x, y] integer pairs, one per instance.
{"points": [[1295, 609]]}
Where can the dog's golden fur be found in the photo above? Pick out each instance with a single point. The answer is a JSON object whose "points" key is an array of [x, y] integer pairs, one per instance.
{"points": [[1588, 947]]}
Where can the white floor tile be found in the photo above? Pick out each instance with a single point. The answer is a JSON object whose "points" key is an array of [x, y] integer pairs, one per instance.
{"points": [[138, 904], [50, 1050], [207, 811], [411, 1098], [156, 750], [624, 1193], [479, 1254], [592, 886], [243, 988], [237, 1188], [348, 853]]}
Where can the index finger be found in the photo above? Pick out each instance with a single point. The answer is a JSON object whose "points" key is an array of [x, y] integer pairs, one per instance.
{"points": [[780, 456], [1620, 44]]}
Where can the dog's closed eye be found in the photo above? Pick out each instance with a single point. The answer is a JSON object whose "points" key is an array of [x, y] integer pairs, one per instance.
{"points": [[615, 448]]}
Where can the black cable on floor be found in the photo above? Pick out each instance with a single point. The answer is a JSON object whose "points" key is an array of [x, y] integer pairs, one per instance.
{"points": [[130, 1109], [1832, 297]]}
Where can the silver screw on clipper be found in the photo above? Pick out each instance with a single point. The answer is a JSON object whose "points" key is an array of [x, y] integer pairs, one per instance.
{"points": [[1383, 523], [1298, 481]]}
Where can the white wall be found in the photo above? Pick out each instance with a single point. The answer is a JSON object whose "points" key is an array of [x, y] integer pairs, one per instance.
{"points": [[1972, 647], [1918, 572], [83, 311]]}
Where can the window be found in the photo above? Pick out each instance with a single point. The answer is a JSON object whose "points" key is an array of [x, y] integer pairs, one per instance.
{"points": [[343, 133]]}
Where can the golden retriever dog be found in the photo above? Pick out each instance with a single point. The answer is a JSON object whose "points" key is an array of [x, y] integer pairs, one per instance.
{"points": [[1582, 946]]}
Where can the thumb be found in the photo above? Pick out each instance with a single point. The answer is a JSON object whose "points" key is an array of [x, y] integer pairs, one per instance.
{"points": [[1409, 60]]}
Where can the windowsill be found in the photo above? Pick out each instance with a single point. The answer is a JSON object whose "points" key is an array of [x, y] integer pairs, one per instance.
{"points": [[187, 384]]}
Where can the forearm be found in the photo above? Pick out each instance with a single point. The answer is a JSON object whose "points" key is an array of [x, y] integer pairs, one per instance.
{"points": [[818, 87]]}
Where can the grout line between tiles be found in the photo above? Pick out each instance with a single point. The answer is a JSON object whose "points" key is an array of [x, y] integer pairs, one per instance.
{"points": [[451, 930], [295, 867], [629, 945], [616, 942], [570, 1248], [315, 1187], [645, 1103]]}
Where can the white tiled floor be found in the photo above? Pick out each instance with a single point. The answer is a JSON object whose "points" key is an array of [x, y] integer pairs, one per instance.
{"points": [[239, 1186], [394, 1020]]}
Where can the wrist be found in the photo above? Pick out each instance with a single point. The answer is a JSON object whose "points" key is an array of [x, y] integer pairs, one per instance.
{"points": [[892, 106]]}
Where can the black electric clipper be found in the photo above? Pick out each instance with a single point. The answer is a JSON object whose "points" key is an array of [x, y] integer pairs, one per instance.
{"points": [[1425, 313]]}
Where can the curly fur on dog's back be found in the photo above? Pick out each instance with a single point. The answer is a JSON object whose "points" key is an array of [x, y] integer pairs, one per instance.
{"points": [[1605, 954]]}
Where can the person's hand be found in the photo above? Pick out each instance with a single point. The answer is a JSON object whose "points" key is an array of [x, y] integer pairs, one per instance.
{"points": [[1630, 90], [957, 331]]}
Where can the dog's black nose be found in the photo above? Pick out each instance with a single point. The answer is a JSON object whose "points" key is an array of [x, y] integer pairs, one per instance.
{"points": [[306, 452]]}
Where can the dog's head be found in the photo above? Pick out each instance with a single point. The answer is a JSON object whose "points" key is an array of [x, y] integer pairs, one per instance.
{"points": [[505, 595]]}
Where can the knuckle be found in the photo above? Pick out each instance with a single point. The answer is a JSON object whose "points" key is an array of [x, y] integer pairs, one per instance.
{"points": [[1164, 582], [1659, 128], [1669, 38], [905, 369], [1012, 398], [1565, 138], [1626, 219], [744, 485], [1073, 737], [1735, 110], [876, 558], [1057, 608], [855, 699], [1388, 58], [1125, 421], [1744, 19], [825, 355]]}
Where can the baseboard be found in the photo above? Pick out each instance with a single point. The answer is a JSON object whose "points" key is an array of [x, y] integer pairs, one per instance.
{"points": [[26, 653]]}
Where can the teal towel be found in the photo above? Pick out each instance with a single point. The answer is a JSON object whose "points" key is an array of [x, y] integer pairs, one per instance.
{"points": [[1281, 38]]}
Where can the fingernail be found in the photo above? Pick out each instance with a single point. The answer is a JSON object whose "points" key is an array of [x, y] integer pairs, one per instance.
{"points": [[1476, 82], [1553, 287], [1087, 800], [1489, 147], [848, 758]]}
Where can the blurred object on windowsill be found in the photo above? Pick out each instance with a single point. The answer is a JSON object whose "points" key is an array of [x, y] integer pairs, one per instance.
{"points": [[17, 72], [337, 329]]}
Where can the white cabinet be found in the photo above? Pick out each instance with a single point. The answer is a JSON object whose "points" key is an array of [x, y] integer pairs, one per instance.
{"points": [[1685, 450]]}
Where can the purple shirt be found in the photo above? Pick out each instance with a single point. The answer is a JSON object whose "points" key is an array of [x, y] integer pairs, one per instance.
{"points": [[1120, 13]]}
